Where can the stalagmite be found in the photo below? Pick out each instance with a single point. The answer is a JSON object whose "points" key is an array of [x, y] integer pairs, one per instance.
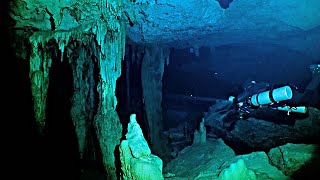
{"points": [[200, 136], [137, 162], [153, 64]]}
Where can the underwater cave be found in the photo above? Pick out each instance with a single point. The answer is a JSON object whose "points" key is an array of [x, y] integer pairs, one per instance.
{"points": [[145, 90]]}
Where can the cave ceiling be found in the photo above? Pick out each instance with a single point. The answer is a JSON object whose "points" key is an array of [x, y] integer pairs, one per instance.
{"points": [[294, 24]]}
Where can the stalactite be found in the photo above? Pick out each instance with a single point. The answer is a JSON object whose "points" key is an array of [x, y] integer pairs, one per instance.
{"points": [[109, 31], [111, 39], [82, 96], [152, 70], [40, 63]]}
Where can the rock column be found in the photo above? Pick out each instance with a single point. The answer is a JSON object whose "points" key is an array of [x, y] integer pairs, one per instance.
{"points": [[152, 69]]}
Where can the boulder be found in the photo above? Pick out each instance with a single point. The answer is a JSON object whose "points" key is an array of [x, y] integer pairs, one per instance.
{"points": [[237, 171], [215, 160], [200, 161], [257, 162], [291, 158], [273, 130]]}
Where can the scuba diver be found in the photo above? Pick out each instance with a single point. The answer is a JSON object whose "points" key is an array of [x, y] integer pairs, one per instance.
{"points": [[242, 101], [263, 94], [282, 97]]}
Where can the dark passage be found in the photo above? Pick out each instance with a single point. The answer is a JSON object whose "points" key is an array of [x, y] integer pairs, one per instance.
{"points": [[61, 154]]}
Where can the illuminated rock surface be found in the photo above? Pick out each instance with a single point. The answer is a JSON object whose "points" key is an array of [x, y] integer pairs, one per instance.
{"points": [[137, 162], [215, 160], [292, 158]]}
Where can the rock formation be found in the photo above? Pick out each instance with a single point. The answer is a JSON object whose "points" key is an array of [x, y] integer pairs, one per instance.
{"points": [[99, 28], [201, 135], [152, 67], [201, 160], [257, 162], [292, 158], [83, 101], [137, 162], [237, 171], [215, 160], [272, 129]]}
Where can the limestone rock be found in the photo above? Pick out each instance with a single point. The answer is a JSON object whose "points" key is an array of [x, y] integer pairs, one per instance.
{"points": [[258, 162], [237, 171], [200, 161], [290, 158], [137, 162], [109, 130], [147, 168], [273, 130], [215, 160]]}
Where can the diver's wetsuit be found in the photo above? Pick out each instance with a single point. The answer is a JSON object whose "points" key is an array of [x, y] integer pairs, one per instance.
{"points": [[242, 101], [251, 89]]}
